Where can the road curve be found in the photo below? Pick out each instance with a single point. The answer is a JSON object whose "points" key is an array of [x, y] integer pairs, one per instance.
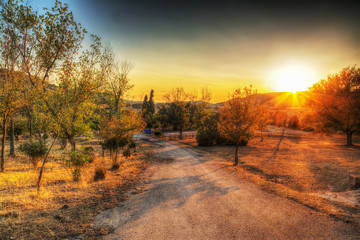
{"points": [[189, 196]]}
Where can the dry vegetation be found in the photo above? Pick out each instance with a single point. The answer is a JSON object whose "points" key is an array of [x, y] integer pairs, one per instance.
{"points": [[64, 208], [315, 170]]}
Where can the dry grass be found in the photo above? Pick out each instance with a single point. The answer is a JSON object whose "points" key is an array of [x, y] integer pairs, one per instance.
{"points": [[63, 208], [312, 169]]}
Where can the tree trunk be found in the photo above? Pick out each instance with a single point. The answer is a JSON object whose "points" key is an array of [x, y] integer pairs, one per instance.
{"points": [[116, 153], [72, 142], [12, 139], [181, 134], [63, 143], [236, 156], [349, 138], [30, 127], [44, 161], [3, 145]]}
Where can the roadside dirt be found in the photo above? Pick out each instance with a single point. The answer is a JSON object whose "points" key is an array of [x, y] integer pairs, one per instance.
{"points": [[188, 196]]}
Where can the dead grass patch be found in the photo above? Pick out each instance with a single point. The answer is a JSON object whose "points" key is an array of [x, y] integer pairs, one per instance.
{"points": [[302, 167], [64, 208]]}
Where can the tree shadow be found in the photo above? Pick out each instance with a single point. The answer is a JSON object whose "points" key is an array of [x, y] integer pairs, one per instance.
{"points": [[166, 193], [278, 145]]}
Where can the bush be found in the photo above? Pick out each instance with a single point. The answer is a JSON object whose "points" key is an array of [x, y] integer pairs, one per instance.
{"points": [[205, 138], [77, 160], [294, 122], [115, 165], [157, 133], [132, 144], [34, 150], [89, 151], [110, 143], [208, 135], [127, 152], [100, 173]]}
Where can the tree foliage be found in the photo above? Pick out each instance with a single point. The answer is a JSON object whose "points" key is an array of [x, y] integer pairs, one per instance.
{"points": [[336, 102], [238, 117], [35, 150], [177, 110], [120, 129], [148, 110]]}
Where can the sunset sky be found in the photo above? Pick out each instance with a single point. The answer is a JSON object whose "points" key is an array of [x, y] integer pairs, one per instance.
{"points": [[223, 45]]}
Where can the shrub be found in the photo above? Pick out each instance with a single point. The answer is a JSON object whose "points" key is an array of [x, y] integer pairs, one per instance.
{"points": [[89, 151], [110, 143], [208, 134], [34, 150], [115, 165], [293, 122], [77, 160], [127, 152], [132, 144], [100, 173], [157, 133]]}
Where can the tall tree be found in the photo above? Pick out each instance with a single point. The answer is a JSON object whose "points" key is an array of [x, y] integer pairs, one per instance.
{"points": [[148, 110], [177, 112], [336, 102], [200, 108], [12, 22], [73, 97], [238, 118], [145, 105], [151, 102], [116, 82]]}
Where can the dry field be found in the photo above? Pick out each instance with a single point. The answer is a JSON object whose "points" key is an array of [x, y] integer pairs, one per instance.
{"points": [[316, 170], [63, 208]]}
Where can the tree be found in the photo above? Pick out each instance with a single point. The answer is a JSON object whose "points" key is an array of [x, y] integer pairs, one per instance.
{"points": [[144, 106], [121, 128], [263, 120], [177, 113], [115, 82], [208, 134], [151, 102], [200, 108], [148, 109], [336, 102], [72, 98], [238, 117]]}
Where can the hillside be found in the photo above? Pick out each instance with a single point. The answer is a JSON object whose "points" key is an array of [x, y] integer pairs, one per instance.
{"points": [[278, 99]]}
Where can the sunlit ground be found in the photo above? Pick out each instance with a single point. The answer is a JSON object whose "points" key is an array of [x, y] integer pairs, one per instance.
{"points": [[28, 214], [301, 166]]}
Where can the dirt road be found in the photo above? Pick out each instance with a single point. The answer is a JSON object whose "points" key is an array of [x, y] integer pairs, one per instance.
{"points": [[191, 197]]}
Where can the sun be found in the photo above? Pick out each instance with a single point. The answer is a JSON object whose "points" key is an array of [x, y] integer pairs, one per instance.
{"points": [[293, 78]]}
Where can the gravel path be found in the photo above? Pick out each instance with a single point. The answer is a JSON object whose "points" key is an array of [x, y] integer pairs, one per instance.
{"points": [[190, 197]]}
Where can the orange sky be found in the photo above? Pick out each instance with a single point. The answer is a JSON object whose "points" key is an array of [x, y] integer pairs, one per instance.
{"points": [[197, 64], [223, 45]]}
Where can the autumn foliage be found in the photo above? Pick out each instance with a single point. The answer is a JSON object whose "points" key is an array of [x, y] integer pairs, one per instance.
{"points": [[238, 117], [336, 102]]}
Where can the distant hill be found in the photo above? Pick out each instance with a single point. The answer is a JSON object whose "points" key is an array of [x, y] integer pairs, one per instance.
{"points": [[273, 100], [278, 99]]}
